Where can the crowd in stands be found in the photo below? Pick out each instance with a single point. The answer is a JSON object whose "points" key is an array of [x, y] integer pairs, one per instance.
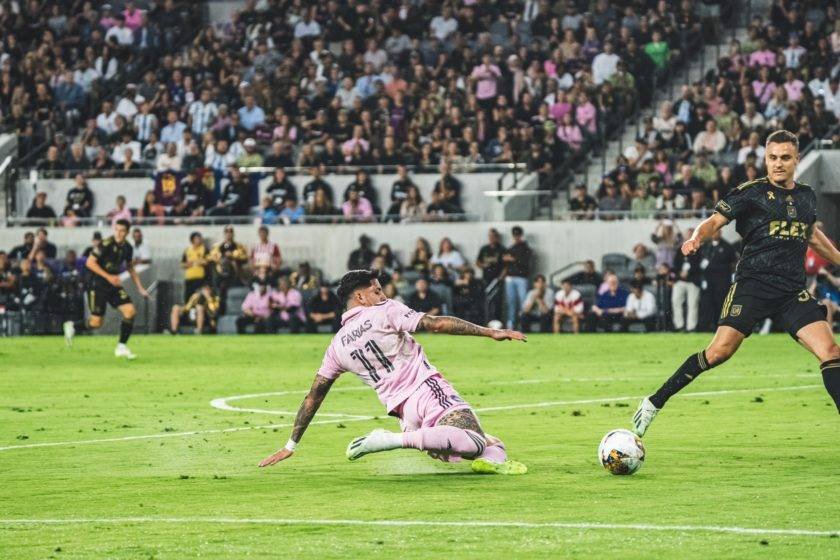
{"points": [[694, 149], [63, 69], [338, 84], [654, 289]]}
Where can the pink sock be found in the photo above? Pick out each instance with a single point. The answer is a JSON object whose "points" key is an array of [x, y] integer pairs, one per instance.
{"points": [[447, 440], [495, 453]]}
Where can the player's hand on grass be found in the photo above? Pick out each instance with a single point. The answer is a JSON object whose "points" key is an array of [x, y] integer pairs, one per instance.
{"points": [[507, 334], [276, 457], [114, 280], [690, 247]]}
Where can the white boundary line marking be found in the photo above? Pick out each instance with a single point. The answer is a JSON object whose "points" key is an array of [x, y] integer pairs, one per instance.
{"points": [[431, 523], [363, 418]]}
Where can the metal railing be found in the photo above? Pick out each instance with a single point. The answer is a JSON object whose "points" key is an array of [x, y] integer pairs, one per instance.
{"points": [[251, 219]]}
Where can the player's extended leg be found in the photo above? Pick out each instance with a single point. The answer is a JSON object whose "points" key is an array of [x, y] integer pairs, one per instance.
{"points": [[724, 344], [128, 312], [818, 338]]}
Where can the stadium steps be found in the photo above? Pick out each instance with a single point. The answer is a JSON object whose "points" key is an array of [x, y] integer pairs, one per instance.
{"points": [[694, 72]]}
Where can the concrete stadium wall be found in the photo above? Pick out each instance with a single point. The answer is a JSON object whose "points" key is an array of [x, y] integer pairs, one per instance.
{"points": [[106, 190], [821, 170], [556, 244]]}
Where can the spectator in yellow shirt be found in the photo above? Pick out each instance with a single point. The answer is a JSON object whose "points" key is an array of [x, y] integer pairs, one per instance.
{"points": [[194, 263]]}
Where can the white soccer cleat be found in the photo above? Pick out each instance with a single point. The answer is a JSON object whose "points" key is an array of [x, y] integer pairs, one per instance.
{"points": [[374, 442], [644, 416], [69, 332], [122, 351]]}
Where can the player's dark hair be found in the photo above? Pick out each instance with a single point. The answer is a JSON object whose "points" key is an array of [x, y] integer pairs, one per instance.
{"points": [[783, 137], [125, 223], [354, 280]]}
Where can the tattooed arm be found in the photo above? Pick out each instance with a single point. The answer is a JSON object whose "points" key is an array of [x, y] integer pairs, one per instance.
{"points": [[454, 325], [308, 408]]}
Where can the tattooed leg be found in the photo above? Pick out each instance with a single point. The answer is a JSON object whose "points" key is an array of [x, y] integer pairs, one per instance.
{"points": [[463, 418], [456, 434]]}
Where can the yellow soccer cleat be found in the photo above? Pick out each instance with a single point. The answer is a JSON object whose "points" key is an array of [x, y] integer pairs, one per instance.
{"points": [[485, 466]]}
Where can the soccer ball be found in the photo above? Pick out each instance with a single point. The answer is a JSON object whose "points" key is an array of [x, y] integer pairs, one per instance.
{"points": [[494, 324], [621, 452]]}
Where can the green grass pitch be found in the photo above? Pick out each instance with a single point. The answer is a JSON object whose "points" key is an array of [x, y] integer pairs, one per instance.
{"points": [[751, 445]]}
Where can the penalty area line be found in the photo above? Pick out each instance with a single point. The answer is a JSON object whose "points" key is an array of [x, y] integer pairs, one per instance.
{"points": [[347, 419], [431, 523]]}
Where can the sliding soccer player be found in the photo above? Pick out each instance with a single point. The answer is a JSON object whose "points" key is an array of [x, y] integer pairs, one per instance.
{"points": [[375, 343], [775, 216]]}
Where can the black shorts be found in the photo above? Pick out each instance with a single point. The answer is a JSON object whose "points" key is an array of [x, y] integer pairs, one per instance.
{"points": [[748, 302], [101, 295]]}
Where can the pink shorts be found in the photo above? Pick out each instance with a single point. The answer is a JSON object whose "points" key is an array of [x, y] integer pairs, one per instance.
{"points": [[434, 398]]}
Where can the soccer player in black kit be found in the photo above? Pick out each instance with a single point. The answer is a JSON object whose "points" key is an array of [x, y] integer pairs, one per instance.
{"points": [[105, 262], [775, 217]]}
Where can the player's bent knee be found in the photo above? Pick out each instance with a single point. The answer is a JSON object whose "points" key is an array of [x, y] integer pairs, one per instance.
{"points": [[95, 321], [129, 312], [719, 353]]}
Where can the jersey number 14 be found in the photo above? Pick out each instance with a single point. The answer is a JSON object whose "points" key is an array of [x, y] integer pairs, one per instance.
{"points": [[374, 349]]}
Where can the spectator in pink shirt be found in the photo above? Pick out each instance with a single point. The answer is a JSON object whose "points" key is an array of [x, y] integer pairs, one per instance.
{"points": [[586, 114], [286, 307], [256, 309], [120, 212], [569, 133], [763, 56], [133, 16], [763, 87], [357, 208], [358, 139], [560, 107], [793, 85], [486, 77]]}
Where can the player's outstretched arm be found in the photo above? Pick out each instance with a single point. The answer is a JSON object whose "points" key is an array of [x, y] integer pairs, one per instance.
{"points": [[823, 246], [454, 325], [136, 278], [703, 233], [310, 405]]}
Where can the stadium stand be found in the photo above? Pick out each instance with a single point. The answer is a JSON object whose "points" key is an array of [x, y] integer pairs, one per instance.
{"points": [[210, 110]]}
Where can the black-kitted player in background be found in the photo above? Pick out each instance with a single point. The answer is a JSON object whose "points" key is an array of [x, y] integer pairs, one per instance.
{"points": [[775, 216], [106, 262]]}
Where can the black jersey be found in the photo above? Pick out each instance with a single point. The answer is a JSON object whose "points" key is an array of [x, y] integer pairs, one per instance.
{"points": [[775, 224], [112, 255]]}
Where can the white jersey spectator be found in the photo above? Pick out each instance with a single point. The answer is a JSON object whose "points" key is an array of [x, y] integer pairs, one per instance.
{"points": [[444, 25], [570, 301], [604, 65], [202, 113], [640, 307]]}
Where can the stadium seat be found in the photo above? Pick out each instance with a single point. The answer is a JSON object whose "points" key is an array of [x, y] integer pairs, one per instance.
{"points": [[617, 262], [227, 324], [235, 296]]}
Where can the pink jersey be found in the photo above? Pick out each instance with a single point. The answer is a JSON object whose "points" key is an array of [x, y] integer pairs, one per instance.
{"points": [[375, 344]]}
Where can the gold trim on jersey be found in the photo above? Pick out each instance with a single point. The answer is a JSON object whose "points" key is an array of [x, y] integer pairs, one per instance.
{"points": [[728, 301], [743, 186]]}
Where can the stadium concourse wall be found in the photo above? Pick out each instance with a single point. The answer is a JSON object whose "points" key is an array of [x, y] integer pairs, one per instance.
{"points": [[473, 199], [556, 243]]}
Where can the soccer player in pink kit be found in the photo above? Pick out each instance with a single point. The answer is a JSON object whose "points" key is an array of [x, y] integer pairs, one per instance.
{"points": [[375, 343]]}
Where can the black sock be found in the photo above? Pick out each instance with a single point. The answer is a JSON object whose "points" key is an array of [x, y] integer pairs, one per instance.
{"points": [[831, 379], [691, 368], [126, 327]]}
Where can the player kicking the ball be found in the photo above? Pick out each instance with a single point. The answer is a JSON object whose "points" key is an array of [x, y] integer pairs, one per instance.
{"points": [[775, 216], [375, 344]]}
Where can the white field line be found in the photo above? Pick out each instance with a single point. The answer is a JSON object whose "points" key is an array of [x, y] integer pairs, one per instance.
{"points": [[363, 418], [430, 523]]}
